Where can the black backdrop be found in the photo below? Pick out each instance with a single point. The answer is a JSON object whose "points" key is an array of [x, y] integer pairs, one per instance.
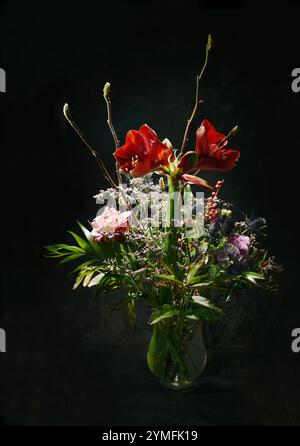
{"points": [[70, 359]]}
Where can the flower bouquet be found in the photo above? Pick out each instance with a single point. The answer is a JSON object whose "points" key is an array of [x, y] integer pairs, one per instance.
{"points": [[163, 242]]}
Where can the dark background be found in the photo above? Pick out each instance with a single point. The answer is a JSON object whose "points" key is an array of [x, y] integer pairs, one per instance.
{"points": [[71, 359]]}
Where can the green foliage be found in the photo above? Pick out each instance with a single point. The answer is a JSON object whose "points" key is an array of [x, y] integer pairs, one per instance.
{"points": [[165, 312], [180, 278]]}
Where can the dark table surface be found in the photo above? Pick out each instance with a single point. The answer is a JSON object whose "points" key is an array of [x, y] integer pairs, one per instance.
{"points": [[71, 360]]}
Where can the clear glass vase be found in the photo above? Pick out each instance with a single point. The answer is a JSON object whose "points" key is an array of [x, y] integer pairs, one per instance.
{"points": [[177, 354]]}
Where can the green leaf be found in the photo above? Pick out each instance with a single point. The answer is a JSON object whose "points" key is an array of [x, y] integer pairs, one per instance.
{"points": [[78, 281], [214, 271], [131, 314], [111, 281], [194, 269], [172, 270], [85, 231], [200, 300], [82, 243], [206, 284], [95, 280], [61, 250], [253, 274], [198, 279], [69, 258], [88, 263], [96, 247], [165, 312], [169, 278], [200, 312], [203, 245], [221, 243]]}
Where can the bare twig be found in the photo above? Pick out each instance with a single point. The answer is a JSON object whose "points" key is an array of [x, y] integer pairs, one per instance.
{"points": [[106, 91], [68, 117], [232, 132], [197, 99]]}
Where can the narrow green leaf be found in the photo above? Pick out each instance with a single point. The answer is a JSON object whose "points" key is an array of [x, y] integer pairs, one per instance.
{"points": [[85, 231], [253, 274], [169, 267], [82, 243], [198, 279], [206, 284], [194, 269], [201, 312], [169, 278], [95, 280], [78, 281], [165, 315], [87, 277], [200, 300], [69, 258], [131, 314]]}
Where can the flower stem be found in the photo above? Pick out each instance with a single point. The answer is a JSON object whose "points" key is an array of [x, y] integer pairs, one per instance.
{"points": [[106, 91], [73, 124], [197, 98], [170, 243]]}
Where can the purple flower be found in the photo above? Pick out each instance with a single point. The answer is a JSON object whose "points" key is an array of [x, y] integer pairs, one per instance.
{"points": [[241, 242], [237, 248], [228, 252]]}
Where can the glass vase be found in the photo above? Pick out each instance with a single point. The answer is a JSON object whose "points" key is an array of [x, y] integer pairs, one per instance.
{"points": [[177, 354]]}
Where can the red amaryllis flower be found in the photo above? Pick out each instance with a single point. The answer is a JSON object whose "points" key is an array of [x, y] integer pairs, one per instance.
{"points": [[211, 149], [188, 162], [142, 152]]}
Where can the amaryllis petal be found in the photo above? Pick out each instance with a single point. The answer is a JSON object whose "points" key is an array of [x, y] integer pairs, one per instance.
{"points": [[207, 135], [148, 133], [192, 179], [211, 149], [221, 162], [142, 152]]}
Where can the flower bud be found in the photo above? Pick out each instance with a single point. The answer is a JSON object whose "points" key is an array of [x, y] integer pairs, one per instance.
{"points": [[234, 131], [162, 184], [66, 110], [209, 42], [106, 89], [226, 213]]}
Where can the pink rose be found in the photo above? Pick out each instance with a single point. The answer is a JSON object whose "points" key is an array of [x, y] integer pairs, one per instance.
{"points": [[110, 224], [241, 242]]}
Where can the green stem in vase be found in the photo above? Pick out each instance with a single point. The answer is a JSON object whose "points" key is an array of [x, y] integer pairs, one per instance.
{"points": [[170, 247]]}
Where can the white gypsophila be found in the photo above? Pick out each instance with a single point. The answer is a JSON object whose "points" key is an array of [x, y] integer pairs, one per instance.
{"points": [[146, 199], [149, 204]]}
